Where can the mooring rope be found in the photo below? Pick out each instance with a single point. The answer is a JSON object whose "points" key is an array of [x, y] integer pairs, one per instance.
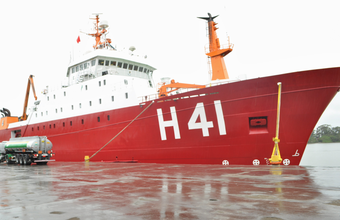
{"points": [[121, 130]]}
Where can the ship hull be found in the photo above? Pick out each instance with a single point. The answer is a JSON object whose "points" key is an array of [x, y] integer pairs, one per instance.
{"points": [[231, 123]]}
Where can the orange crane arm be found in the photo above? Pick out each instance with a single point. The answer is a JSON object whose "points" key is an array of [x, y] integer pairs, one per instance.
{"points": [[29, 83], [162, 90]]}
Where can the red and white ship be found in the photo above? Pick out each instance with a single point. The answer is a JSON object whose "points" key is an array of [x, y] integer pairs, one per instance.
{"points": [[110, 102]]}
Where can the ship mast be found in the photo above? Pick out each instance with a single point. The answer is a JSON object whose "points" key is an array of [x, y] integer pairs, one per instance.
{"points": [[216, 53], [100, 30]]}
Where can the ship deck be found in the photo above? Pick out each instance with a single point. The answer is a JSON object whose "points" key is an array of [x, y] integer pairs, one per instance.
{"points": [[99, 190]]}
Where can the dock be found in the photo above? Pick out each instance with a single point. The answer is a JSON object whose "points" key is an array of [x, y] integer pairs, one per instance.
{"points": [[100, 190]]}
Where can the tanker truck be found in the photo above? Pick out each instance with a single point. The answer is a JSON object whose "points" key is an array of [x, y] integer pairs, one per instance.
{"points": [[26, 150]]}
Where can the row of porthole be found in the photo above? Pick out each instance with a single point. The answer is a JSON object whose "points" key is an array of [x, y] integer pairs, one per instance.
{"points": [[90, 104], [64, 124], [256, 162]]}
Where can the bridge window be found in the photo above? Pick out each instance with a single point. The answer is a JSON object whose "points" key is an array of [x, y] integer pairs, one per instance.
{"points": [[107, 62], [101, 62], [130, 66], [73, 69], [77, 68], [120, 64], [135, 68], [113, 63], [85, 65], [125, 66], [81, 66], [93, 62], [140, 69]]}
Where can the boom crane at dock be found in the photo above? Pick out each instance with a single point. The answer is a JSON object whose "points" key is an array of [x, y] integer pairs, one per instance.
{"points": [[29, 84]]}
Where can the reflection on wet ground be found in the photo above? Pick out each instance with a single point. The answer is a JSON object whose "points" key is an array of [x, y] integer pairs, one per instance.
{"points": [[162, 191]]}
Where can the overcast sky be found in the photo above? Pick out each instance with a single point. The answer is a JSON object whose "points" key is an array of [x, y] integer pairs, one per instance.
{"points": [[270, 37]]}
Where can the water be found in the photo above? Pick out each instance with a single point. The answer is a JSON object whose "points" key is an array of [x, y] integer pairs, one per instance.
{"points": [[321, 154]]}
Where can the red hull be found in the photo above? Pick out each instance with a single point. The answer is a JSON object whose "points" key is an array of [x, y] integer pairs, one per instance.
{"points": [[249, 114]]}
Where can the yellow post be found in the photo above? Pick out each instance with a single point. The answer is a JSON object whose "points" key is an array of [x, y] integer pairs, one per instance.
{"points": [[87, 158], [276, 156]]}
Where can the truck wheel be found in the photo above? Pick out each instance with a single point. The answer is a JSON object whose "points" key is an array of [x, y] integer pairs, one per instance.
{"points": [[21, 160], [24, 159], [28, 162], [41, 163]]}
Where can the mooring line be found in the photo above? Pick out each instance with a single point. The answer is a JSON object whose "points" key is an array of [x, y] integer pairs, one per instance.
{"points": [[120, 131]]}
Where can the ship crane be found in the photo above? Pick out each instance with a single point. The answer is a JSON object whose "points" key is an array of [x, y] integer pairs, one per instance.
{"points": [[29, 84], [162, 92]]}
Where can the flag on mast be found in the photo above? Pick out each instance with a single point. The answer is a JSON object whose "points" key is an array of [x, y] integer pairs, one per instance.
{"points": [[78, 39]]}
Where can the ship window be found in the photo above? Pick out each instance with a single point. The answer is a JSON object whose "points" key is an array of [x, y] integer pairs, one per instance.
{"points": [[104, 82], [77, 68], [120, 64], [130, 66], [70, 123], [113, 98], [85, 87], [100, 101], [81, 66], [85, 65], [150, 83], [64, 93], [36, 115], [108, 117], [140, 69], [32, 129], [93, 62], [54, 96], [98, 118], [79, 105], [107, 62], [63, 124], [38, 128], [101, 62], [42, 114], [56, 110], [61, 109], [44, 127], [73, 69], [126, 95], [135, 68], [82, 121], [50, 126], [145, 69], [90, 103], [72, 107], [125, 66], [53, 125], [48, 98], [100, 83], [113, 63], [46, 112], [105, 73]]}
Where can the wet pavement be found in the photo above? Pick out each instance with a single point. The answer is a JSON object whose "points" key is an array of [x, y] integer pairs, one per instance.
{"points": [[97, 190]]}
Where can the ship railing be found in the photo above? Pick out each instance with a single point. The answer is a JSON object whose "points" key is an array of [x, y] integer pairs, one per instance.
{"points": [[147, 98]]}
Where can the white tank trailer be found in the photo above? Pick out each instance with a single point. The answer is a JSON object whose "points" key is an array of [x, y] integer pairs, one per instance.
{"points": [[26, 150]]}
